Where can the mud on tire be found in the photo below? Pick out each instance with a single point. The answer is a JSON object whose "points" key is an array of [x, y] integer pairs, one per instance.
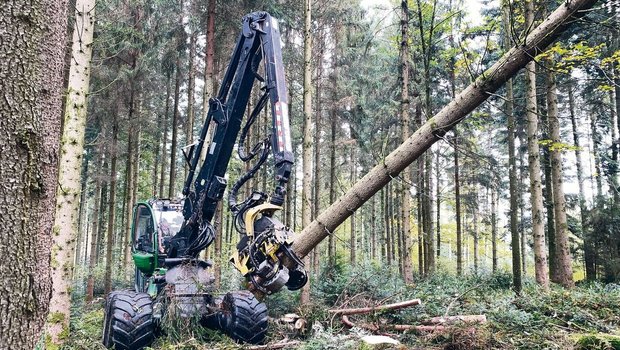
{"points": [[128, 322], [246, 317]]}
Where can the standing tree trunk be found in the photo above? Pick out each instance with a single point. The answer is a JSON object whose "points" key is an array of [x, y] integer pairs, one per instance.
{"points": [[94, 238], [353, 235], [548, 194], [562, 252], [457, 198], [175, 109], [306, 195], [538, 227], [494, 228], [475, 234], [69, 186], [512, 161], [438, 204], [404, 125], [33, 36], [113, 151], [388, 224], [434, 129], [191, 85], [588, 249], [162, 172]]}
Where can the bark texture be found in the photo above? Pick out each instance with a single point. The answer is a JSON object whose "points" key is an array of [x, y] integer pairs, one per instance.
{"points": [[404, 118], [536, 200], [33, 35], [436, 127], [306, 194], [562, 252]]}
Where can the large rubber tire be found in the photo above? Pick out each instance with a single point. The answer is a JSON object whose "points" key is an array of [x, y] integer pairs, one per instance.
{"points": [[246, 317], [128, 322]]}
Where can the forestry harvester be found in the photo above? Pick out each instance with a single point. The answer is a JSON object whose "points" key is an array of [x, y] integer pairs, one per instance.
{"points": [[168, 235]]}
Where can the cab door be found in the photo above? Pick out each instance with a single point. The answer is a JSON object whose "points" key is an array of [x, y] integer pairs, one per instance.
{"points": [[143, 239]]}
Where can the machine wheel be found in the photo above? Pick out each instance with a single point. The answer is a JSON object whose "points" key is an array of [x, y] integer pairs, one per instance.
{"points": [[246, 317], [128, 322]]}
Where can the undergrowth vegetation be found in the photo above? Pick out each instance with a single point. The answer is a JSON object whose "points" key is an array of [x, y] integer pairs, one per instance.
{"points": [[586, 317]]}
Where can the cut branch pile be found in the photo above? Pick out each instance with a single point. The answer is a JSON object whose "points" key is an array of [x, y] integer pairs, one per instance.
{"points": [[432, 325]]}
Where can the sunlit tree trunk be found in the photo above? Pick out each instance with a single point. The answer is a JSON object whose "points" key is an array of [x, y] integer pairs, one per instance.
{"points": [[69, 185]]}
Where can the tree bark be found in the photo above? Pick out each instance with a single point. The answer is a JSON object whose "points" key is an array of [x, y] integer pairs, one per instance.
{"points": [[405, 120], [562, 252], [94, 240], [475, 232], [353, 233], [113, 152], [436, 127], [588, 249], [307, 139], [33, 36], [538, 227], [69, 185], [180, 36], [162, 172], [457, 198], [494, 228]]}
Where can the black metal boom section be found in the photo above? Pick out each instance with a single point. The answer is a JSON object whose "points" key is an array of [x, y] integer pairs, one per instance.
{"points": [[259, 41]]}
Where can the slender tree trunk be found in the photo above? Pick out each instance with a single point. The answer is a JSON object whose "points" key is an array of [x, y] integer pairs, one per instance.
{"points": [[438, 203], [316, 201], [111, 205], [588, 249], [386, 219], [434, 129], [191, 86], [494, 228], [69, 188], [512, 162], [457, 198], [475, 232], [548, 194], [405, 120], [353, 236], [162, 172], [538, 228], [562, 252], [130, 180], [373, 228], [175, 128], [307, 139], [92, 261]]}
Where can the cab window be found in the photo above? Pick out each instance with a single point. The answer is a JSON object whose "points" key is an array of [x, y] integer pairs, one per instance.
{"points": [[143, 229]]}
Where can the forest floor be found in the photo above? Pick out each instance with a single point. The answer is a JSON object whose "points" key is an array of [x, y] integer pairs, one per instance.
{"points": [[557, 319]]}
